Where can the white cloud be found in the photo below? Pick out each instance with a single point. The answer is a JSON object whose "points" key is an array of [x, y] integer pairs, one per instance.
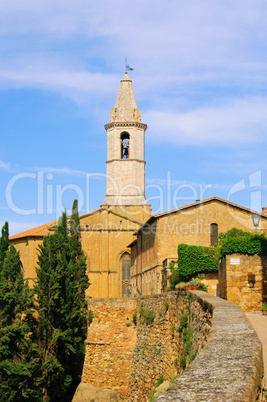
{"points": [[58, 80], [237, 121], [177, 35], [179, 51], [65, 170], [4, 165], [171, 46]]}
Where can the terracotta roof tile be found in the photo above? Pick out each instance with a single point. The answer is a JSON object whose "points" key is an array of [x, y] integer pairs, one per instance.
{"points": [[42, 230]]}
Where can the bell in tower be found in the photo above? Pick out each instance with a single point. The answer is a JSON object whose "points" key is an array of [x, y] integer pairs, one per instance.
{"points": [[125, 144]]}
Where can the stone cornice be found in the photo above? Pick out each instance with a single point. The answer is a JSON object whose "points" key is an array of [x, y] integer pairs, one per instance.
{"points": [[125, 160], [125, 124]]}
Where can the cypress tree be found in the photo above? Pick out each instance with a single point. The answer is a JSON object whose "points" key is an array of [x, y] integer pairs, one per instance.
{"points": [[77, 283], [11, 287], [75, 220], [60, 291], [4, 244], [19, 355]]}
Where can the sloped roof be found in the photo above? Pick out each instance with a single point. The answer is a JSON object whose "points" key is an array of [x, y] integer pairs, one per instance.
{"points": [[125, 109], [196, 204], [39, 231], [44, 230]]}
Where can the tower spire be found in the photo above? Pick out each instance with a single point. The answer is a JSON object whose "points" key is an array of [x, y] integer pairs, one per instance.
{"points": [[125, 108]]}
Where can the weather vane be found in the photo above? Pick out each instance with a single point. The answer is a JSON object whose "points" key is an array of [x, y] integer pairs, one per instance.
{"points": [[127, 67]]}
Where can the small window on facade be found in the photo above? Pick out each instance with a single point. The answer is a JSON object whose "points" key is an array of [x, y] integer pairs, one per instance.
{"points": [[213, 234], [125, 146]]}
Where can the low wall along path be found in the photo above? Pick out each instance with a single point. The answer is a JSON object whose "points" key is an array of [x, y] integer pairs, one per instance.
{"points": [[206, 341]]}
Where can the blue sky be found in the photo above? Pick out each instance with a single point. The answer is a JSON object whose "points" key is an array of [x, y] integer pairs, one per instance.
{"points": [[200, 81]]}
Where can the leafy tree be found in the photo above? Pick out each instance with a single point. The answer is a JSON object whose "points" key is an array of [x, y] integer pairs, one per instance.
{"points": [[60, 290], [19, 355]]}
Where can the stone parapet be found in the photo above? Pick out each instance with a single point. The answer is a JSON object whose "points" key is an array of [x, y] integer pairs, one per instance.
{"points": [[230, 367]]}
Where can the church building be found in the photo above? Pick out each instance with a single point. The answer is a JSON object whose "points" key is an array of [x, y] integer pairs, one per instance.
{"points": [[126, 246], [107, 232]]}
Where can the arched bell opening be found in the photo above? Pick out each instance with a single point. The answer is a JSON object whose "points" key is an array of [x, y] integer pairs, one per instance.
{"points": [[125, 146]]}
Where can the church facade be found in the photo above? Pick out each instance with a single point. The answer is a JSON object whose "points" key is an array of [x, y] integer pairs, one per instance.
{"points": [[126, 246]]}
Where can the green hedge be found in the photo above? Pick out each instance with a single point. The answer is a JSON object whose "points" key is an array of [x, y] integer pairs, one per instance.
{"points": [[236, 241], [193, 260]]}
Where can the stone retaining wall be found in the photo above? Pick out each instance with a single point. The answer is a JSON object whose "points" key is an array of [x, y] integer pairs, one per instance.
{"points": [[132, 359], [230, 367], [111, 338], [160, 345]]}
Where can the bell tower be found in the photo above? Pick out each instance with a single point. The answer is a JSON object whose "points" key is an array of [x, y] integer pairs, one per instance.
{"points": [[125, 151]]}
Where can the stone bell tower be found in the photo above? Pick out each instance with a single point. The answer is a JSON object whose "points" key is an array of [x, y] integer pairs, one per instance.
{"points": [[125, 151]]}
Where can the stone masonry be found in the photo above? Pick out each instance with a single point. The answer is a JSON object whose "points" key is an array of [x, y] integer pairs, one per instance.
{"points": [[110, 342], [243, 280], [160, 346], [130, 360], [230, 367]]}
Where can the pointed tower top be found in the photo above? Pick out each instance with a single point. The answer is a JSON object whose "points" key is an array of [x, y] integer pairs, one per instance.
{"points": [[125, 109]]}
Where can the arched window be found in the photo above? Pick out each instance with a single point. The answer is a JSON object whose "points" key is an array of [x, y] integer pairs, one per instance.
{"points": [[213, 234], [126, 275], [125, 146]]}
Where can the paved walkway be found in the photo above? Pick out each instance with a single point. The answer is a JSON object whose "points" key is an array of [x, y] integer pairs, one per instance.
{"points": [[259, 322]]}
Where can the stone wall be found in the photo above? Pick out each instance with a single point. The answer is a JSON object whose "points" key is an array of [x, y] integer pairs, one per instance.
{"points": [[209, 279], [160, 345], [131, 359], [243, 280], [111, 339], [223, 362], [230, 367]]}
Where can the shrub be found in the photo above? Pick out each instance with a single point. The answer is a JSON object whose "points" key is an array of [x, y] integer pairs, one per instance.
{"points": [[160, 380], [148, 316], [152, 397], [135, 317], [90, 317], [237, 241], [203, 287], [183, 321], [183, 362], [174, 278], [196, 259], [263, 307]]}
